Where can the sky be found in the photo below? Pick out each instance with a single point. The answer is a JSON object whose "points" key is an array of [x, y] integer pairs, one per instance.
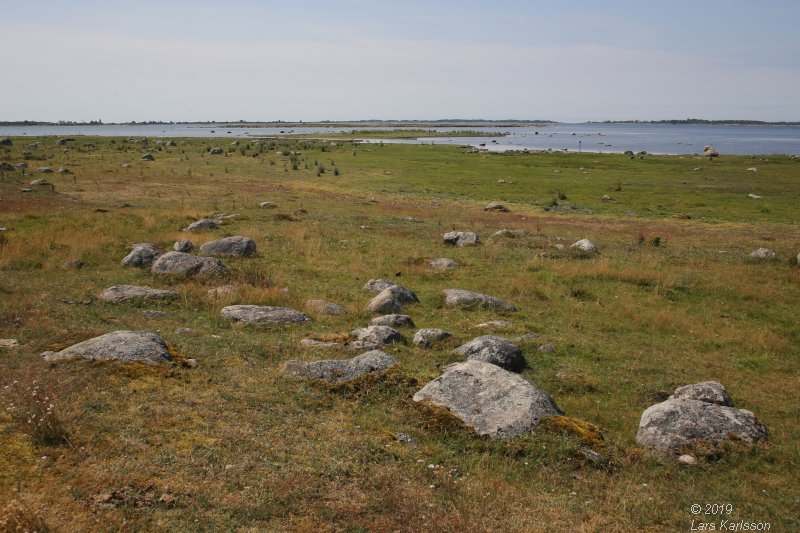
{"points": [[313, 60]]}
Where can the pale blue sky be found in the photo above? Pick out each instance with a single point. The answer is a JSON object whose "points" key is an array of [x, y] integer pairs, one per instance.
{"points": [[359, 59]]}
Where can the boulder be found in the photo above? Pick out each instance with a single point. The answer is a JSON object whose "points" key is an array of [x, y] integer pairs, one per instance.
{"points": [[267, 205], [391, 300], [147, 157], [64, 170], [236, 246], [492, 401], [710, 151], [470, 300], [461, 238], [339, 371], [183, 245], [671, 426], [126, 293], [141, 346], [254, 314], [495, 350], [5, 141], [7, 167], [393, 321], [427, 337], [44, 170], [181, 264], [202, 224], [41, 183], [707, 391], [73, 264], [325, 308], [494, 206], [143, 254], [764, 254], [377, 285], [374, 337], [216, 151], [443, 263], [584, 245], [22, 166]]}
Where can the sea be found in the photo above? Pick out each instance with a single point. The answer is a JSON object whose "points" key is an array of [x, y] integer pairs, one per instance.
{"points": [[582, 137]]}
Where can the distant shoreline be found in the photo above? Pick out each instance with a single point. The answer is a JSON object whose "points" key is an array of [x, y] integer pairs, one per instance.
{"points": [[445, 123]]}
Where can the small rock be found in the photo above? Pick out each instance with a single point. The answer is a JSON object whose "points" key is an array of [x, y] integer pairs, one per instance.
{"points": [[710, 151], [73, 264], [152, 313], [427, 337], [216, 151], [183, 331], [495, 324], [374, 337], [127, 293], [688, 460], [183, 245], [191, 363], [527, 337], [754, 196], [7, 167], [547, 348], [236, 246], [461, 238], [202, 224], [495, 350], [494, 206], [469, 299], [9, 343], [316, 344], [143, 254], [378, 285], [607, 198], [325, 308], [764, 254], [752, 169], [391, 300], [185, 265], [339, 371], [393, 321], [443, 263], [505, 232], [223, 290], [64, 170], [584, 245], [267, 205], [254, 314], [147, 157]]}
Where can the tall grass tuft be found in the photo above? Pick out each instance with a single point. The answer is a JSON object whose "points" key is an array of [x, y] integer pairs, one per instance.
{"points": [[18, 517]]}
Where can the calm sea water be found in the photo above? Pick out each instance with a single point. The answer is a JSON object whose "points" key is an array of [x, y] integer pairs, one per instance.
{"points": [[653, 138]]}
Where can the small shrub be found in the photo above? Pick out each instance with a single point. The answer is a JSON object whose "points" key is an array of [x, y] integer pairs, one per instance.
{"points": [[16, 516], [34, 407]]}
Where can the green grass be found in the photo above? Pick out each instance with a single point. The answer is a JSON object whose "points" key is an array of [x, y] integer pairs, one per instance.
{"points": [[240, 447]]}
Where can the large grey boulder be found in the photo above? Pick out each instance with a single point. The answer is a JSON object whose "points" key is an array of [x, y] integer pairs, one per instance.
{"points": [[374, 337], [393, 321], [324, 307], [699, 413], [490, 400], [338, 371], [236, 246], [202, 224], [443, 263], [255, 314], [126, 293], [141, 255], [495, 350], [764, 254], [391, 300], [427, 337], [141, 346], [8, 167], [461, 238], [707, 391], [470, 300], [185, 265]]}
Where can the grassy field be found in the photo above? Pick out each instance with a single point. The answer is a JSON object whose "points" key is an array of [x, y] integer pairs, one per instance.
{"points": [[672, 298]]}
